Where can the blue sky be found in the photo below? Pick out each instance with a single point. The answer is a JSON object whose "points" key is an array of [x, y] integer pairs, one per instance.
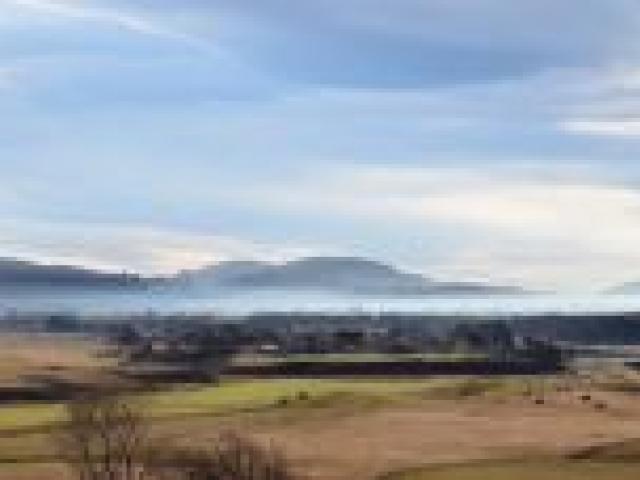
{"points": [[493, 140]]}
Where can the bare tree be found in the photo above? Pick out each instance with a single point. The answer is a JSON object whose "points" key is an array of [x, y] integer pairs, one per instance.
{"points": [[104, 439]]}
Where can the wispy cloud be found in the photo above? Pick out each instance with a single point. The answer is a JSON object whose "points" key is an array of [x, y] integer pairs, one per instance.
{"points": [[148, 250], [83, 11], [603, 127], [9, 77], [609, 107]]}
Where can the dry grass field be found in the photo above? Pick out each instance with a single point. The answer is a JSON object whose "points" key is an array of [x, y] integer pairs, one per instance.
{"points": [[345, 441], [368, 429], [525, 470], [23, 356]]}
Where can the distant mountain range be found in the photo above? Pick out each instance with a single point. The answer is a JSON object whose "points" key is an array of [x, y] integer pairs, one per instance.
{"points": [[329, 274], [23, 274], [333, 274]]}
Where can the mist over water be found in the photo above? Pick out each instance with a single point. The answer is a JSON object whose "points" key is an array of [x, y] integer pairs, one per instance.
{"points": [[229, 302]]}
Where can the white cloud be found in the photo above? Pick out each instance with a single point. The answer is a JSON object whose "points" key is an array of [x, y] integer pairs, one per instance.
{"points": [[617, 128], [511, 226], [563, 232], [117, 247], [609, 108]]}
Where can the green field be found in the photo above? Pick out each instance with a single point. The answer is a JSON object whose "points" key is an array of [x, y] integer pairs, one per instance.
{"points": [[245, 395], [235, 396], [29, 416], [242, 395], [526, 470]]}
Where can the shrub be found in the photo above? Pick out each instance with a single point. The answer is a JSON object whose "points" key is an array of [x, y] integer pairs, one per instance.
{"points": [[106, 439], [232, 457]]}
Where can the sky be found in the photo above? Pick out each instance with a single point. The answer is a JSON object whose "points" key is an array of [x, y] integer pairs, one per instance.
{"points": [[493, 140]]}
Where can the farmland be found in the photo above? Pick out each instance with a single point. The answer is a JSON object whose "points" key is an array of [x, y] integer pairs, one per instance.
{"points": [[465, 428]]}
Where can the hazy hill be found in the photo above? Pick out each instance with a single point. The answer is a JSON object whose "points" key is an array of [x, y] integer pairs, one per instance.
{"points": [[327, 274], [335, 274], [22, 274]]}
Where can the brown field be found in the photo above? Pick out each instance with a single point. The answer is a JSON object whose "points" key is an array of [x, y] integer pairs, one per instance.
{"points": [[23, 356], [343, 444]]}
